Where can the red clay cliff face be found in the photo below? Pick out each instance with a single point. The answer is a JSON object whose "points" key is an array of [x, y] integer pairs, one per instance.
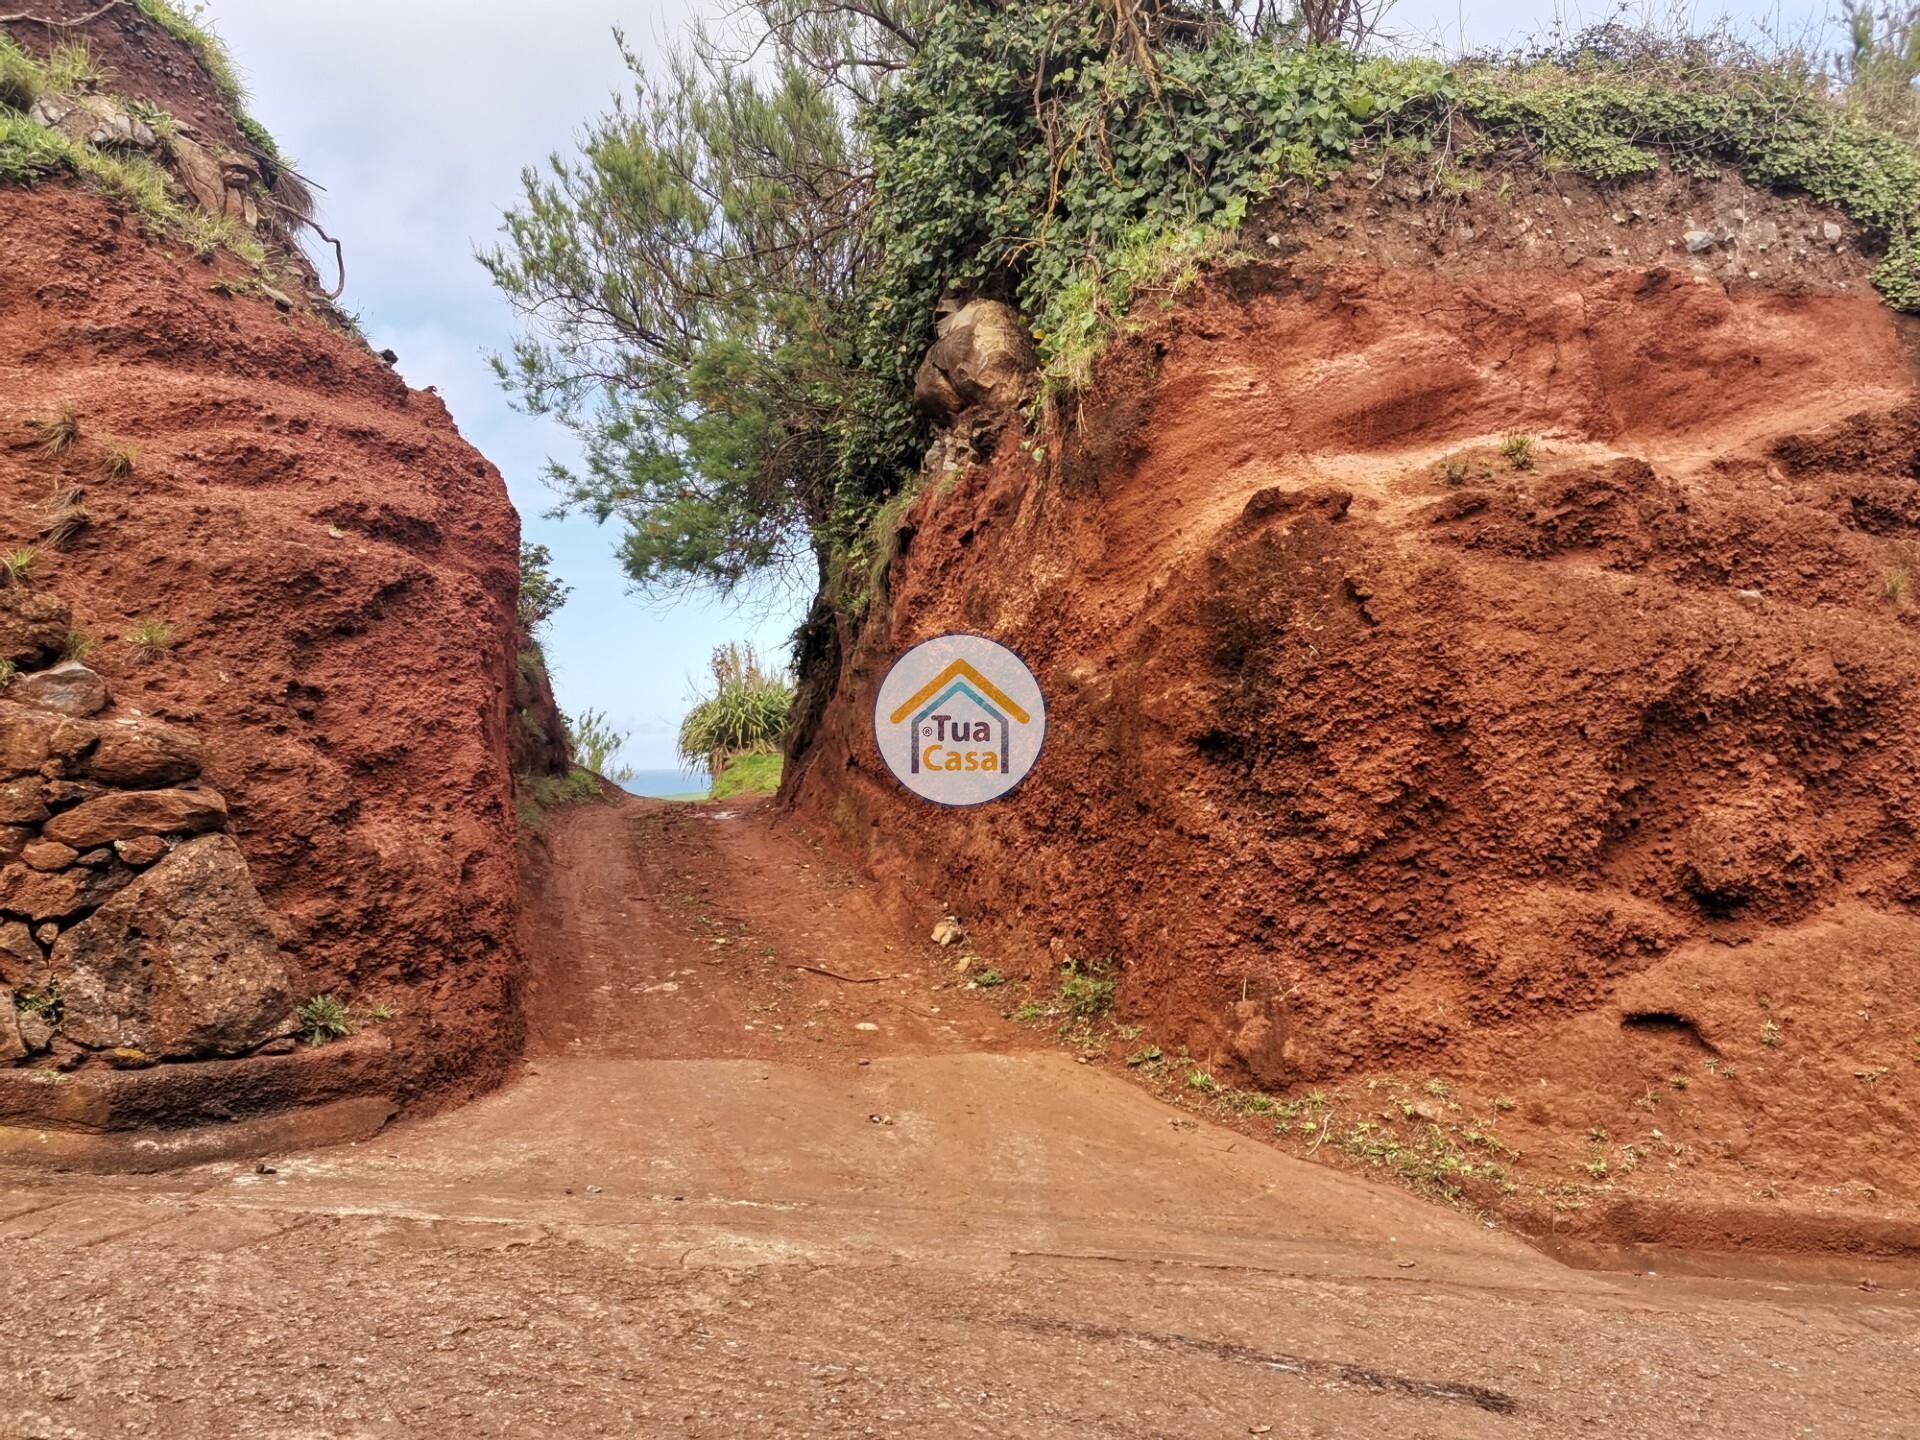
{"points": [[339, 568], [1372, 752]]}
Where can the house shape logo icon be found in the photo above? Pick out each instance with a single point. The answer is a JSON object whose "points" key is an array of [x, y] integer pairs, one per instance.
{"points": [[959, 720], [961, 680]]}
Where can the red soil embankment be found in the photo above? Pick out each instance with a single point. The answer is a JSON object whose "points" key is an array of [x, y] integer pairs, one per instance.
{"points": [[340, 569], [1586, 779]]}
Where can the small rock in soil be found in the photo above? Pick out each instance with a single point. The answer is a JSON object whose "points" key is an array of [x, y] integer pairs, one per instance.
{"points": [[1699, 241], [69, 688], [47, 933], [48, 856], [36, 1032], [948, 932], [141, 851], [13, 839]]}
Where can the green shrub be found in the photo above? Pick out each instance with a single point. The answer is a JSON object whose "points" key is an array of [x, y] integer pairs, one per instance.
{"points": [[323, 1020]]}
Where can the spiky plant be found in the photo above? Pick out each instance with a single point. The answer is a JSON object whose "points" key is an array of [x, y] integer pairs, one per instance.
{"points": [[745, 714], [16, 566], [79, 645], [324, 1019], [119, 462]]}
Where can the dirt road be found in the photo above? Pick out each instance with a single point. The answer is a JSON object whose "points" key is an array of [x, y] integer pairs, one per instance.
{"points": [[730, 1197]]}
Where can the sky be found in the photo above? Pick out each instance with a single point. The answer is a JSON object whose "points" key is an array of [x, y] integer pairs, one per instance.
{"points": [[417, 117]]}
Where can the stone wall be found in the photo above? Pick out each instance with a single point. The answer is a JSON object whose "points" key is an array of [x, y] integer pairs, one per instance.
{"points": [[130, 929]]}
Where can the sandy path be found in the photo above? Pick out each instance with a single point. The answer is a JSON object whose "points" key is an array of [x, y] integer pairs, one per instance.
{"points": [[713, 1205]]}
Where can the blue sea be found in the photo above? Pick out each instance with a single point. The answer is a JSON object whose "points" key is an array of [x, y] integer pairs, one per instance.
{"points": [[667, 785]]}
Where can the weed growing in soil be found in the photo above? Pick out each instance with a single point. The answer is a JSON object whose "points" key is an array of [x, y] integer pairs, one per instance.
{"points": [[79, 644], [16, 566], [323, 1020], [46, 1003], [73, 67], [1770, 1035], [989, 978], [151, 640], [119, 462], [58, 432], [66, 517], [1517, 451], [7, 672], [1087, 994]]}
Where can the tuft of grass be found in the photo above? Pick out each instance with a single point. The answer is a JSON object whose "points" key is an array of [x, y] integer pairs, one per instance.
{"points": [[22, 80], [78, 646], [989, 978], [72, 67], [151, 640], [323, 1020], [16, 566], [7, 671], [58, 432], [1517, 451], [1678, 1082], [1454, 470], [1033, 1010], [1202, 1081], [119, 462], [1770, 1035], [67, 516], [1893, 584]]}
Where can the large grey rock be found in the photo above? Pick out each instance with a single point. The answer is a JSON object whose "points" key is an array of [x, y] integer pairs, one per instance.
{"points": [[144, 752], [983, 356], [30, 737], [70, 688], [33, 626], [124, 814], [181, 964], [94, 120]]}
